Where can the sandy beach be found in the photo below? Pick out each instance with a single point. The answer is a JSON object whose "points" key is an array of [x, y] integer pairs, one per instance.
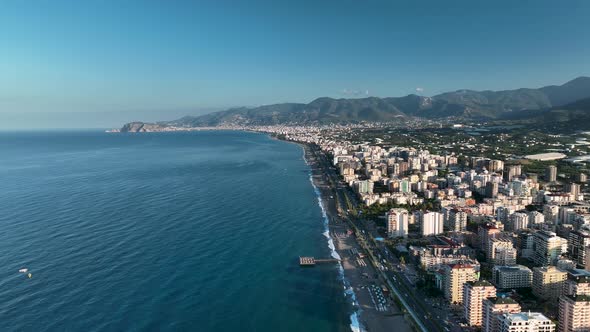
{"points": [[376, 310]]}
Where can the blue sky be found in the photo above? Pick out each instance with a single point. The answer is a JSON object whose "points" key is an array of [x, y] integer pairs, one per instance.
{"points": [[101, 63]]}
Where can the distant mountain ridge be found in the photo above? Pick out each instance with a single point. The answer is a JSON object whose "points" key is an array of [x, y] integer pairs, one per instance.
{"points": [[466, 104]]}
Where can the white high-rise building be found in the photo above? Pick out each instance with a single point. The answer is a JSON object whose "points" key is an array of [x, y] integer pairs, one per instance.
{"points": [[574, 313], [496, 243], [548, 247], [397, 222], [551, 173], [493, 308], [518, 221], [432, 223], [536, 218], [473, 295], [455, 276], [526, 322]]}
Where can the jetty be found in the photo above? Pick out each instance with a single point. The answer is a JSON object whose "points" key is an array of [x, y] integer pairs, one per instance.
{"points": [[312, 261]]}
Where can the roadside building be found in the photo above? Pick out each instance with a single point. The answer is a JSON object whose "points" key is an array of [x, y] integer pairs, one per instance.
{"points": [[474, 293], [397, 222], [454, 277], [493, 308]]}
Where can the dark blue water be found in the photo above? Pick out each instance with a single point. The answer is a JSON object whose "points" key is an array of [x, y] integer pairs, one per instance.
{"points": [[161, 232]]}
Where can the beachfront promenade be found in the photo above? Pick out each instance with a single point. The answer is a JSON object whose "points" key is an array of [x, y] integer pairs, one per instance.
{"points": [[346, 200]]}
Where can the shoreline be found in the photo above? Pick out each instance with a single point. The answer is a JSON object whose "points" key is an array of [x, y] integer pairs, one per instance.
{"points": [[357, 274], [355, 324]]}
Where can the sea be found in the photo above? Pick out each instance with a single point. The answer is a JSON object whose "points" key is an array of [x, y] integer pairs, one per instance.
{"points": [[188, 231]]}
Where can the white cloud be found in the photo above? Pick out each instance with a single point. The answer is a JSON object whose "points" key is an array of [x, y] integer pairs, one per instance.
{"points": [[354, 92]]}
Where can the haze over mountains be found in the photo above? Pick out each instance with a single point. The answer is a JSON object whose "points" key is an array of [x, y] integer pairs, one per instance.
{"points": [[570, 99]]}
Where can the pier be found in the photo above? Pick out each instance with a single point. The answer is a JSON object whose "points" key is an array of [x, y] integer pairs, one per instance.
{"points": [[312, 261]]}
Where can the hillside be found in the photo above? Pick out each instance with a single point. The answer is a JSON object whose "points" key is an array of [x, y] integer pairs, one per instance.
{"points": [[467, 104], [571, 91]]}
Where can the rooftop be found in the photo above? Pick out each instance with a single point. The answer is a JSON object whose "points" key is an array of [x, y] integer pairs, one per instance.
{"points": [[512, 268], [549, 269], [480, 283], [579, 298], [546, 156], [578, 273], [502, 300], [460, 266], [526, 316]]}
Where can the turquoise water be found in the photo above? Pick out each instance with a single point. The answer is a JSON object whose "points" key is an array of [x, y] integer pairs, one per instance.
{"points": [[161, 232]]}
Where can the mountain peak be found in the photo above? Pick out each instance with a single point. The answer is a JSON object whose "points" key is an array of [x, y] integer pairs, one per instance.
{"points": [[462, 103], [569, 92], [578, 80]]}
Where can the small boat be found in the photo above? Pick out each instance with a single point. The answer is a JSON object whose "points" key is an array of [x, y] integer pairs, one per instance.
{"points": [[30, 275], [23, 270]]}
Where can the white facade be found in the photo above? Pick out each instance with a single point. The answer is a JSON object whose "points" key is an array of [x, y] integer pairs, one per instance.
{"points": [[474, 293], [574, 313], [518, 221], [526, 322], [397, 223], [548, 247], [432, 223]]}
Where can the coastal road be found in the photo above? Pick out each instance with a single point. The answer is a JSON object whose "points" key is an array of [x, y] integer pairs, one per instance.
{"points": [[405, 292], [361, 276], [434, 318], [418, 309], [427, 315]]}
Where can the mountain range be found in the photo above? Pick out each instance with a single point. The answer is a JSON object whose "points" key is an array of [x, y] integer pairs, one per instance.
{"points": [[569, 99]]}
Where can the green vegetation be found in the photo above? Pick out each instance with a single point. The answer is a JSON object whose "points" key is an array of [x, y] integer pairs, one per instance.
{"points": [[375, 211], [570, 170]]}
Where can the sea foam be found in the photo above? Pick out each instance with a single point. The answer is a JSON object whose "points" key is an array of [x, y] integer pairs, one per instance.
{"points": [[355, 325]]}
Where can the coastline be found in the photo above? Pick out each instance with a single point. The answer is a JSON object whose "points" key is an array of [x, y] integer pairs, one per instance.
{"points": [[356, 274], [355, 277]]}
